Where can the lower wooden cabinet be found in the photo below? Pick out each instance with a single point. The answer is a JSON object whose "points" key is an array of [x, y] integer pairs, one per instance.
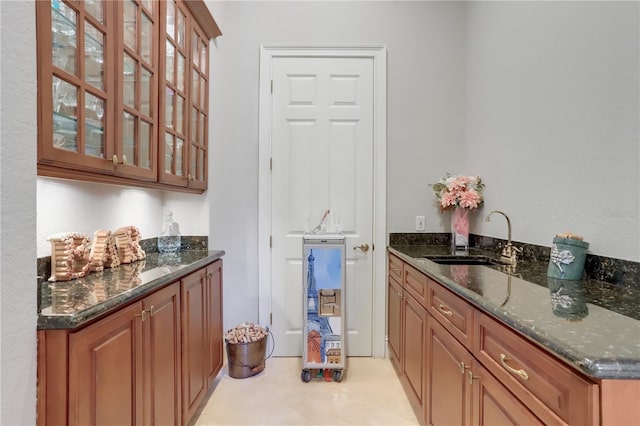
{"points": [[448, 380], [394, 322], [105, 370], [202, 339], [459, 366], [494, 405], [162, 357], [151, 362], [414, 338], [214, 323]]}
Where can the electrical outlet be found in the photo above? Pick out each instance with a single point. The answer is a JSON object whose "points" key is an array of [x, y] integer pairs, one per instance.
{"points": [[420, 223]]}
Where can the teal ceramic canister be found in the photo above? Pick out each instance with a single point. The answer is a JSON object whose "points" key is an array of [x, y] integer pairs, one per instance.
{"points": [[567, 258]]}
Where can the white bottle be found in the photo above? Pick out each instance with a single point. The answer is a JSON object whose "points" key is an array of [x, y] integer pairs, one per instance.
{"points": [[169, 239]]}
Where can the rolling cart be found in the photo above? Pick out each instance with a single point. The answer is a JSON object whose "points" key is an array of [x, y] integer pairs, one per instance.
{"points": [[324, 300]]}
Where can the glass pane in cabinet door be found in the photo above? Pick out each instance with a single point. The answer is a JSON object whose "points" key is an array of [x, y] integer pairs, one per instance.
{"points": [[148, 4], [145, 142], [169, 108], [194, 125], [94, 125], [182, 61], [201, 164], [95, 8], [181, 29], [130, 21], [195, 56], [171, 18], [201, 126], [63, 31], [129, 81], [128, 137], [179, 150], [65, 126], [193, 162], [168, 152], [147, 39], [146, 81], [94, 55], [194, 87], [171, 52], [180, 103], [203, 58], [203, 85]]}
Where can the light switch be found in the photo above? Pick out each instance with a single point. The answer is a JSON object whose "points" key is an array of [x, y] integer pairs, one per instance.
{"points": [[420, 223]]}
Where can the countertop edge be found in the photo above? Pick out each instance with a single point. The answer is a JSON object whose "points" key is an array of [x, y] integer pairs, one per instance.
{"points": [[599, 369], [75, 321]]}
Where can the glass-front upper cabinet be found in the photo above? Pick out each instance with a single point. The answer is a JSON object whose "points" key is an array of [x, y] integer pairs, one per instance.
{"points": [[123, 91], [173, 99], [76, 111], [199, 108], [136, 99]]}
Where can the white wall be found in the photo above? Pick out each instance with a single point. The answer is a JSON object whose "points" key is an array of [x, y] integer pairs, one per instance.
{"points": [[18, 134], [424, 113], [552, 120], [86, 207]]}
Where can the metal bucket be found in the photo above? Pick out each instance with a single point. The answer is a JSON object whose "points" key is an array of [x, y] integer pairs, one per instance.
{"points": [[246, 359]]}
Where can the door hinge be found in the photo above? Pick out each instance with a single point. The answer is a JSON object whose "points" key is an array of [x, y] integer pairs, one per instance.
{"points": [[270, 318], [270, 241], [271, 163], [271, 86]]}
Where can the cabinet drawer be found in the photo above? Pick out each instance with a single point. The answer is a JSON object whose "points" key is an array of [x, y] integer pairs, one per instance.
{"points": [[553, 391], [452, 312], [415, 282], [395, 267]]}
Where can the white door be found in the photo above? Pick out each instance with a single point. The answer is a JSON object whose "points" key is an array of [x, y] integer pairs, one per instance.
{"points": [[322, 159]]}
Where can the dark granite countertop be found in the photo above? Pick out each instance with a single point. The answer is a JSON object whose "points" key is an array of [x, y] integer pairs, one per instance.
{"points": [[71, 304], [591, 325]]}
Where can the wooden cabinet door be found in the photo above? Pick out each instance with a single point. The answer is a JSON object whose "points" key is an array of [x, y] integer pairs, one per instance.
{"points": [[162, 357], [414, 340], [75, 96], [199, 109], [394, 322], [194, 342], [105, 365], [214, 312], [494, 405], [448, 368], [136, 101]]}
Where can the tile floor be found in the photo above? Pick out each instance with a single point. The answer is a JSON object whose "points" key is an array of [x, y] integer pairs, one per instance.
{"points": [[369, 394]]}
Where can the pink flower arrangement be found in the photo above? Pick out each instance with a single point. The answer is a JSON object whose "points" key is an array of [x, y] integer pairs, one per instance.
{"points": [[459, 191]]}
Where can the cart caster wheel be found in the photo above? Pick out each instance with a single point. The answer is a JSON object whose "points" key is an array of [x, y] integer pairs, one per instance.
{"points": [[305, 376], [337, 375]]}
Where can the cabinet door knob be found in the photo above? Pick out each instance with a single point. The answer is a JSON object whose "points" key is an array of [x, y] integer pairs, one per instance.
{"points": [[142, 315], [116, 162], [504, 359], [152, 310], [471, 377], [445, 310]]}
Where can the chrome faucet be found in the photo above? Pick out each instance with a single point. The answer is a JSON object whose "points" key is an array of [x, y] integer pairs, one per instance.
{"points": [[509, 252]]}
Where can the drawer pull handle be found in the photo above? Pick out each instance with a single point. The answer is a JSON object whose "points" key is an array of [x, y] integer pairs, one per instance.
{"points": [[445, 310], [504, 359]]}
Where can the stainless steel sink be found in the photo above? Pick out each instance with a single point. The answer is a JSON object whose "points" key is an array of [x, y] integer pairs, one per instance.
{"points": [[465, 260]]}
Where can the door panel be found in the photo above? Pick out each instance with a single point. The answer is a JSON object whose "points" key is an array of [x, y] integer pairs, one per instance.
{"points": [[322, 152]]}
